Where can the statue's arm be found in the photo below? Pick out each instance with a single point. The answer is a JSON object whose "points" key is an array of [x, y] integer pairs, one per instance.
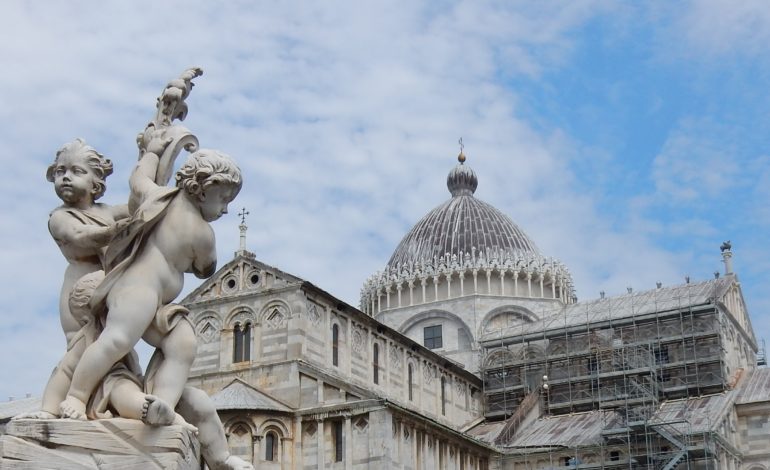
{"points": [[205, 253], [120, 211], [66, 229], [142, 181]]}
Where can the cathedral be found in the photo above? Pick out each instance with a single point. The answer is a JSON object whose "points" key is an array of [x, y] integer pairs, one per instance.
{"points": [[471, 351]]}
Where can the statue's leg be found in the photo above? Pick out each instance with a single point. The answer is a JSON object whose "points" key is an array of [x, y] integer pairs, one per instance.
{"points": [[130, 311], [61, 377], [178, 347], [198, 409]]}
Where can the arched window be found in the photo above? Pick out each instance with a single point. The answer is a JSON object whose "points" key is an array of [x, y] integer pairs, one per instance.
{"points": [[335, 345], [242, 342], [270, 446], [443, 396], [410, 381], [376, 362]]}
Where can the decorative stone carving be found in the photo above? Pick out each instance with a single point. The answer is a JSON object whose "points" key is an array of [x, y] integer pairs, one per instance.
{"points": [[428, 372], [208, 329], [312, 314], [276, 318], [395, 357], [358, 340]]}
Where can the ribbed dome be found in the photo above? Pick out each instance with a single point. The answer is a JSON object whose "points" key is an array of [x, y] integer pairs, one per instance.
{"points": [[461, 225]]}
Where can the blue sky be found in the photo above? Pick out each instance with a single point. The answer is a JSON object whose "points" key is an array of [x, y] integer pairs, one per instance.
{"points": [[628, 140]]}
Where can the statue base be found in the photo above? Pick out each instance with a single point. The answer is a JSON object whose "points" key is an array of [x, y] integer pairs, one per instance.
{"points": [[117, 443]]}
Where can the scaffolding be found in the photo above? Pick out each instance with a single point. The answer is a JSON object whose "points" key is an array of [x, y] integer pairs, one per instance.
{"points": [[620, 358]]}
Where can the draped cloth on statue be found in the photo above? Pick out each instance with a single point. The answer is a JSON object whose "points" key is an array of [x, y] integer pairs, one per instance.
{"points": [[128, 243]]}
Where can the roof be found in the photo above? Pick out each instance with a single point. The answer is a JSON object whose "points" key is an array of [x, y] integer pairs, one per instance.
{"points": [[694, 415], [462, 225], [756, 388], [238, 395], [487, 432], [572, 430], [622, 306], [9, 409]]}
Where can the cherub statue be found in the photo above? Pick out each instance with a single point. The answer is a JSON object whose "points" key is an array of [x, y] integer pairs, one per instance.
{"points": [[82, 228], [167, 236]]}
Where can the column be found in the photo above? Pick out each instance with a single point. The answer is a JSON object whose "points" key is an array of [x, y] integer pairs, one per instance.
{"points": [[256, 448], [320, 444], [349, 343], [286, 444], [348, 450], [297, 458]]}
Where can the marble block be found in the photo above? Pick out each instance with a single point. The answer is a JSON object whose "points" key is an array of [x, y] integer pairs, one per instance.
{"points": [[117, 443]]}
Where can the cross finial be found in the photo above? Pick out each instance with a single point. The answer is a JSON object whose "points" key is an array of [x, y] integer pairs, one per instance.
{"points": [[242, 214], [461, 156]]}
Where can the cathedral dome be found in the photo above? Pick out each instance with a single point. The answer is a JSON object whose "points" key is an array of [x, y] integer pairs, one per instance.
{"points": [[460, 239], [463, 224]]}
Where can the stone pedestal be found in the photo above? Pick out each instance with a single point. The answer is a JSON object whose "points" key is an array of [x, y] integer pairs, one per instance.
{"points": [[118, 443]]}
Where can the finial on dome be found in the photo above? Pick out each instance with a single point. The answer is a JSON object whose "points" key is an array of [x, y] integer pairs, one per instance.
{"points": [[461, 155], [462, 180]]}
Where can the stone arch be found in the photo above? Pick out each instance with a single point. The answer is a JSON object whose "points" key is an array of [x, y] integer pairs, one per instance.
{"points": [[452, 319], [240, 315], [230, 424], [240, 437], [498, 357], [505, 316], [275, 314], [275, 425], [531, 351]]}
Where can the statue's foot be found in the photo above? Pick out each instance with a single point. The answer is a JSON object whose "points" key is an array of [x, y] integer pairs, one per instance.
{"points": [[236, 463], [73, 408], [157, 412], [36, 415]]}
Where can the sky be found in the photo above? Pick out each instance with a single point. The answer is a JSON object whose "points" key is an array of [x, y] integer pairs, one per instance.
{"points": [[627, 139]]}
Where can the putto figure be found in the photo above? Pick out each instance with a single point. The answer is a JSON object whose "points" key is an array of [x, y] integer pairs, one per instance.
{"points": [[167, 236], [82, 229]]}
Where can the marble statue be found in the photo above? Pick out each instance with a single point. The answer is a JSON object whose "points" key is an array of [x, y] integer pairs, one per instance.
{"points": [[81, 228], [127, 266]]}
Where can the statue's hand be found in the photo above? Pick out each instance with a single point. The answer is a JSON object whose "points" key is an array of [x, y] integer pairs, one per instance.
{"points": [[158, 144]]}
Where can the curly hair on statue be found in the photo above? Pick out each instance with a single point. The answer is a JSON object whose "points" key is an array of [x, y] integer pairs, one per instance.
{"points": [[205, 168]]}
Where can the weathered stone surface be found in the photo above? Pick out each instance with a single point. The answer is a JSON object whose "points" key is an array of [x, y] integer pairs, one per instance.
{"points": [[118, 443]]}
